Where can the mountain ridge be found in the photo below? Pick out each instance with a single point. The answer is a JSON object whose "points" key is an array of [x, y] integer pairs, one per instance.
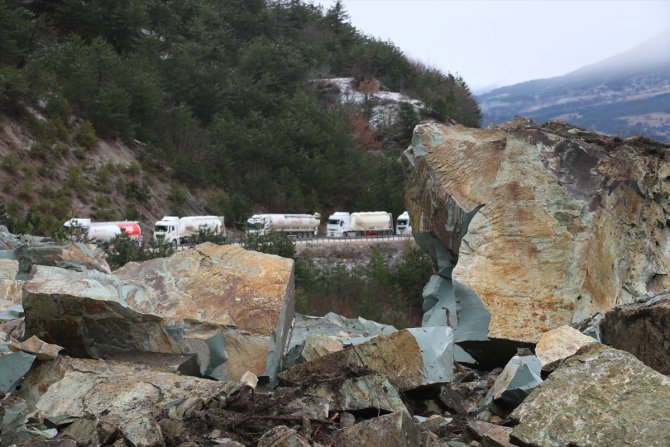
{"points": [[624, 94]]}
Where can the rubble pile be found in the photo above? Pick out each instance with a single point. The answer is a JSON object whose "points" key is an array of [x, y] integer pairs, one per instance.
{"points": [[546, 323]]}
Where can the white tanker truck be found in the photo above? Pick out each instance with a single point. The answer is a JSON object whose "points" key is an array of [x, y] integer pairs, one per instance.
{"points": [[104, 232], [369, 223], [298, 225], [183, 230]]}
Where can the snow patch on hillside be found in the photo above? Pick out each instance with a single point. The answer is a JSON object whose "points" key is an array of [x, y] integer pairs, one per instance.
{"points": [[385, 104]]}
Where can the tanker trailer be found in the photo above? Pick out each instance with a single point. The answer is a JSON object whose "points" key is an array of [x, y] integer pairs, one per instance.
{"points": [[359, 224], [295, 225]]}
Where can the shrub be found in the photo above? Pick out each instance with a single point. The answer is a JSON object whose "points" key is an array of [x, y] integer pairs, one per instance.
{"points": [[11, 163], [86, 136], [272, 243]]}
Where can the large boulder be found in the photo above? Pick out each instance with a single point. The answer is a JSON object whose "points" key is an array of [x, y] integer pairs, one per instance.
{"points": [[536, 226], [598, 397], [221, 285], [87, 314], [313, 337], [120, 395], [409, 359], [643, 329], [92, 314]]}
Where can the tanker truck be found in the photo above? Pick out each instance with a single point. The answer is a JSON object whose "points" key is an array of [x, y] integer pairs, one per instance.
{"points": [[368, 223], [403, 225], [103, 232], [184, 230], [296, 225]]}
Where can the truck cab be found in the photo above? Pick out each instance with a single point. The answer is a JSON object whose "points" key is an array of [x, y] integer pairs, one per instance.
{"points": [[166, 230], [338, 224], [257, 225], [403, 225]]}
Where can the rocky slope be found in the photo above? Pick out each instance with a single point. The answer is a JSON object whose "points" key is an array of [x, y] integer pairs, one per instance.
{"points": [[102, 182]]}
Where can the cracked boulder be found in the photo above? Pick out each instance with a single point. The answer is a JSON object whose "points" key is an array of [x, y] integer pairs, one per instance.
{"points": [[313, 337], [221, 285], [600, 396], [114, 395], [643, 329], [204, 302], [409, 358], [533, 227]]}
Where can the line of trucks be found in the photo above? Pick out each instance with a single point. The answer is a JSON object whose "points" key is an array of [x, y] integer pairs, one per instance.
{"points": [[178, 231]]}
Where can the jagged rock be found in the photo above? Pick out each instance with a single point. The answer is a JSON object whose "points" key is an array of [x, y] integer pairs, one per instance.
{"points": [[38, 348], [315, 336], [87, 314], [185, 364], [408, 358], [11, 330], [69, 255], [106, 316], [282, 436], [537, 225], [558, 344], [10, 288], [311, 407], [221, 285], [12, 369], [600, 396], [11, 291], [430, 439], [490, 435], [9, 266], [119, 394], [13, 418], [391, 430], [519, 377], [10, 242], [9, 310], [360, 393], [643, 329]]}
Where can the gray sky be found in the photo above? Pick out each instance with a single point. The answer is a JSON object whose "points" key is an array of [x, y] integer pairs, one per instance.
{"points": [[501, 42]]}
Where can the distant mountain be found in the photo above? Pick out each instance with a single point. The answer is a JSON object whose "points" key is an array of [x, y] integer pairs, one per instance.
{"points": [[627, 94]]}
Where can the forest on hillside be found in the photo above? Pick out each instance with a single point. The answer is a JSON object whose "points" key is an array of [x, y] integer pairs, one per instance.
{"points": [[223, 95]]}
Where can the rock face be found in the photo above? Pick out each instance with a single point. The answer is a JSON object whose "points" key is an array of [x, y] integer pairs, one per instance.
{"points": [[538, 226], [598, 397], [643, 329]]}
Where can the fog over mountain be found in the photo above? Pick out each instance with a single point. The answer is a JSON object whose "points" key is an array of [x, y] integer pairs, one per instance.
{"points": [[626, 94]]}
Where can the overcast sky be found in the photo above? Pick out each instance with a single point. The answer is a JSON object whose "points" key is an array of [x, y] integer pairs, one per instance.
{"points": [[501, 42]]}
